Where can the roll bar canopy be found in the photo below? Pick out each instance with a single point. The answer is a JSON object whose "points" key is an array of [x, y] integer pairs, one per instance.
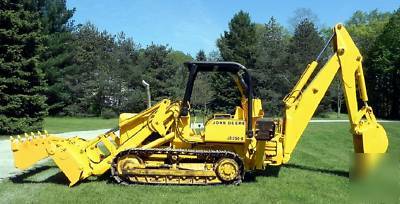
{"points": [[231, 67]]}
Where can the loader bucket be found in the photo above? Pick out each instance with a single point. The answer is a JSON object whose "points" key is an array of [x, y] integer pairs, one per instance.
{"points": [[71, 162], [31, 148], [66, 153]]}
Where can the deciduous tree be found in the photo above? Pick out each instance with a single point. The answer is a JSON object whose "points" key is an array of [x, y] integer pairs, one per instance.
{"points": [[384, 70]]}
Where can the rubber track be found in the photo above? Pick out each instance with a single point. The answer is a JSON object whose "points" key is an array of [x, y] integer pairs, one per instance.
{"points": [[211, 156]]}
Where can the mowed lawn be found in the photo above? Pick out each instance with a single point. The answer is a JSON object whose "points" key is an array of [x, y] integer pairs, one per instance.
{"points": [[317, 173], [68, 124]]}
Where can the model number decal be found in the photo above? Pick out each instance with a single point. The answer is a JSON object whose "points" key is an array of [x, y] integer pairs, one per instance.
{"points": [[235, 138]]}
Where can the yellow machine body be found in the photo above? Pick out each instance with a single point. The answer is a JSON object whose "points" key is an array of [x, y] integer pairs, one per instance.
{"points": [[159, 146]]}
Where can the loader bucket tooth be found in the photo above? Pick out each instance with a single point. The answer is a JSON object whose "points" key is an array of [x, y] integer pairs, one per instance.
{"points": [[28, 151]]}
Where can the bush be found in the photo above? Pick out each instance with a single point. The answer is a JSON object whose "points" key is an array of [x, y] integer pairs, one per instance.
{"points": [[108, 114], [13, 125]]}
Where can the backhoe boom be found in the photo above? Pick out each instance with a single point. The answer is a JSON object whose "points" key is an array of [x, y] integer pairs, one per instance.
{"points": [[303, 100]]}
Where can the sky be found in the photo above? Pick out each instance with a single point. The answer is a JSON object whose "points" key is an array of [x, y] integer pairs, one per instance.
{"points": [[192, 25]]}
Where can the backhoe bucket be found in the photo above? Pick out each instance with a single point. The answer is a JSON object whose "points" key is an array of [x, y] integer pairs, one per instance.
{"points": [[373, 139], [65, 152], [369, 147]]}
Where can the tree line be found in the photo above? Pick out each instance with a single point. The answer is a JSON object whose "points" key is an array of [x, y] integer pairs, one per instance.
{"points": [[51, 66]]}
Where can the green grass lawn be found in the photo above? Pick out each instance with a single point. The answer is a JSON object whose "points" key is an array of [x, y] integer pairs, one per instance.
{"points": [[317, 173], [332, 116], [68, 124]]}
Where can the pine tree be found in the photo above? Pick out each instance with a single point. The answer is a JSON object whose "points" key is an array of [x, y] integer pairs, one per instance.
{"points": [[270, 73], [156, 71], [21, 81], [55, 18], [239, 45], [303, 48], [176, 84], [201, 56], [55, 60], [100, 77], [202, 92], [163, 69]]}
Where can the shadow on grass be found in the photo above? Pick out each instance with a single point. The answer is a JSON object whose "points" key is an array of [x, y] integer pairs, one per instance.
{"points": [[29, 173], [324, 171], [273, 171], [61, 179], [57, 178]]}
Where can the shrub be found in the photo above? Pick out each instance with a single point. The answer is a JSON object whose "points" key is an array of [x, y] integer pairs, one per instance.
{"points": [[108, 113]]}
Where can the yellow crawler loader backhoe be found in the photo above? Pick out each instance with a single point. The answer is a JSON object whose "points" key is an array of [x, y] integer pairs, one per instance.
{"points": [[158, 146]]}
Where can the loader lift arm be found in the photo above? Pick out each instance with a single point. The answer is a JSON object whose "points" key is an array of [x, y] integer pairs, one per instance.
{"points": [[302, 102]]}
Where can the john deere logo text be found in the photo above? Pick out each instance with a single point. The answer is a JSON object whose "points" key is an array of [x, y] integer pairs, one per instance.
{"points": [[228, 123]]}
